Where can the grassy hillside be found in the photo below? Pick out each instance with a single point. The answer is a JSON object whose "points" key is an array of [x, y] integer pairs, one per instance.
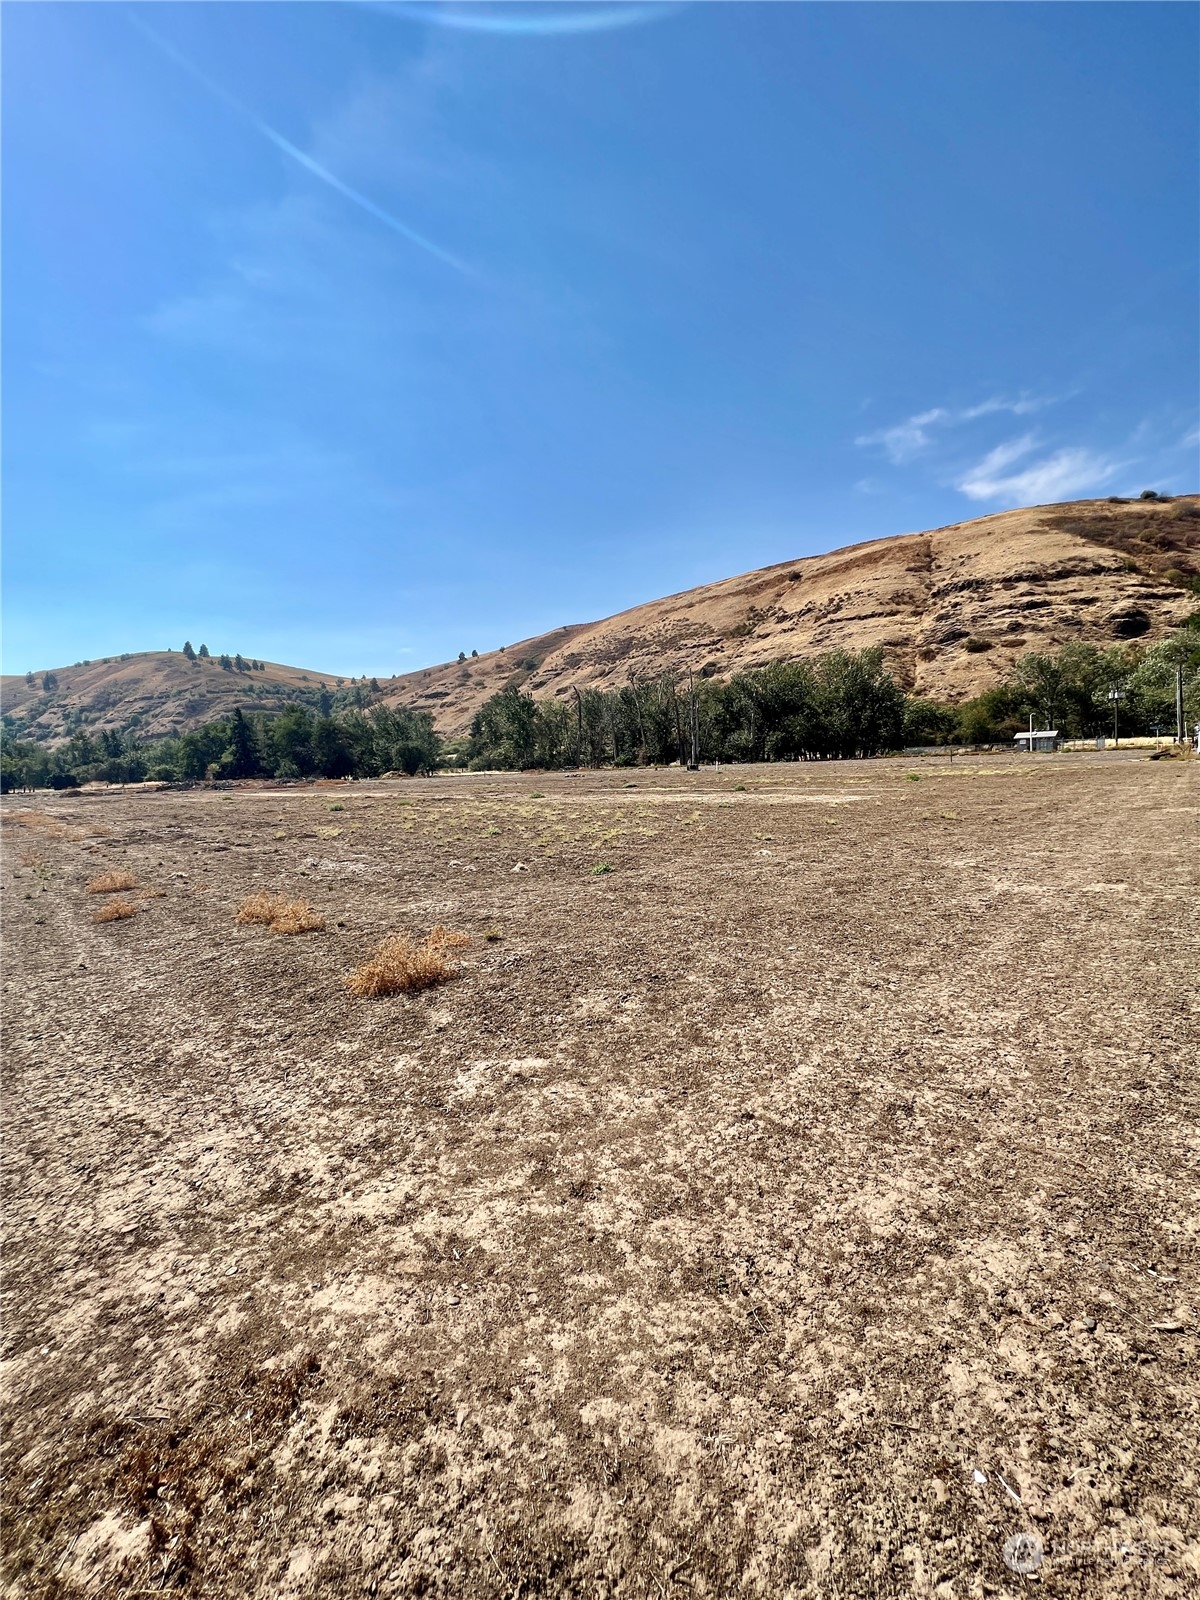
{"points": [[953, 610]]}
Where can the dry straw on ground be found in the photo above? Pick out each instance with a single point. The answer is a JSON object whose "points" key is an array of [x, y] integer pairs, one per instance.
{"points": [[401, 965], [280, 914], [116, 911], [53, 828], [111, 883]]}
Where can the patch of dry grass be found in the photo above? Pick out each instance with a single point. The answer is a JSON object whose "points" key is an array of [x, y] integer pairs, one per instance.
{"points": [[116, 911], [401, 965], [297, 916], [111, 883], [281, 915], [53, 827]]}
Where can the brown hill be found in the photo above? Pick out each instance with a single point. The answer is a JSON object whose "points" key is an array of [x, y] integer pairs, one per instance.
{"points": [[952, 609], [154, 692]]}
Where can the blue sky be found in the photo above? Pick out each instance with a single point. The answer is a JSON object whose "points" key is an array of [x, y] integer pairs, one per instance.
{"points": [[348, 337]]}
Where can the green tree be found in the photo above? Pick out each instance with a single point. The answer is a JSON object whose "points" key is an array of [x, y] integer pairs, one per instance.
{"points": [[332, 749], [203, 652], [241, 758], [291, 737], [930, 722], [503, 730], [188, 651]]}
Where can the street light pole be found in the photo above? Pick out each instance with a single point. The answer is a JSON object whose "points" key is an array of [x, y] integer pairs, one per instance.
{"points": [[1116, 696]]}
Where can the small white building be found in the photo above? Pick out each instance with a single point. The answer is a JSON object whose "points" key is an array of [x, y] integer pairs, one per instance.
{"points": [[1041, 739]]}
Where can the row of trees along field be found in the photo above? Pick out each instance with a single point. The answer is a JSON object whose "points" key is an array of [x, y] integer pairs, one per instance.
{"points": [[837, 706], [295, 744]]}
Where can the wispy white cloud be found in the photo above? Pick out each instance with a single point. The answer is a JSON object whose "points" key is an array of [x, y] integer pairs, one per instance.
{"points": [[301, 157], [916, 434], [1057, 476]]}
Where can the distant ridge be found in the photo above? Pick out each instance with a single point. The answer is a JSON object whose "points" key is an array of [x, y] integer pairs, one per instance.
{"points": [[952, 610]]}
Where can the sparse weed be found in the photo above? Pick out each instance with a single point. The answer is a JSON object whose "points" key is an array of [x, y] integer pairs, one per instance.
{"points": [[111, 883], [39, 866], [599, 871], [402, 966], [116, 911], [337, 806], [280, 914]]}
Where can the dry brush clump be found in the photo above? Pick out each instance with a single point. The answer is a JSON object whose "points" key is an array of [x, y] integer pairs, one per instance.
{"points": [[116, 911], [402, 965], [281, 915], [111, 883]]}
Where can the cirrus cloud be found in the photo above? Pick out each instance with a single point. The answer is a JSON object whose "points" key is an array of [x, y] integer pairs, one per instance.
{"points": [[1057, 476], [904, 440]]}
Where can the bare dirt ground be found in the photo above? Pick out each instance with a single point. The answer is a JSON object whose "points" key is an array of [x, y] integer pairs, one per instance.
{"points": [[803, 1207]]}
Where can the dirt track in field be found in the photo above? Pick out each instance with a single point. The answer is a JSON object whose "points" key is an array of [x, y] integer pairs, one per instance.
{"points": [[802, 1207]]}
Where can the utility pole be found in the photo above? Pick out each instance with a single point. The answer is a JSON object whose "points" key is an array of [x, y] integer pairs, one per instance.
{"points": [[578, 726], [1179, 728], [694, 721]]}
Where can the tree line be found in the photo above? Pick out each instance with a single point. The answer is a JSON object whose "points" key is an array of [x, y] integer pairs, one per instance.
{"points": [[838, 706], [298, 743], [1073, 690], [834, 707]]}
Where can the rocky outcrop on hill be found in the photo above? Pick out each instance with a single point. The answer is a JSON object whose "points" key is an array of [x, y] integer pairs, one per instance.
{"points": [[952, 609]]}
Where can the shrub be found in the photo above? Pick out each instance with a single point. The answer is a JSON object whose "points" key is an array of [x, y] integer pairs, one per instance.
{"points": [[111, 883], [116, 911], [975, 647], [402, 966], [280, 914], [297, 916]]}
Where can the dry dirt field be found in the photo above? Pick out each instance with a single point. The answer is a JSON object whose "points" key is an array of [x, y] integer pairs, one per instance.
{"points": [[804, 1206]]}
